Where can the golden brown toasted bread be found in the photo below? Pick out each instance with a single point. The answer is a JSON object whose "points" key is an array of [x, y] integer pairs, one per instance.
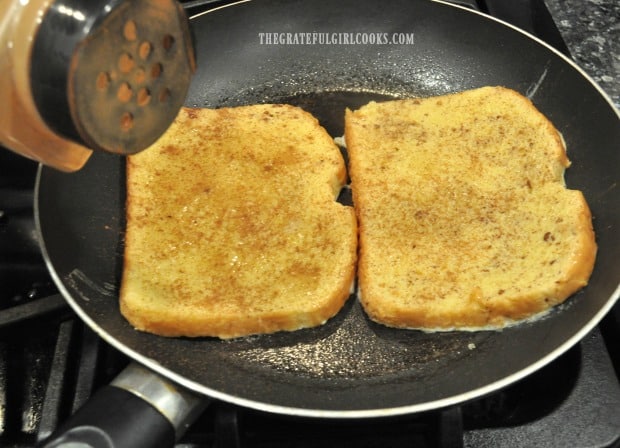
{"points": [[464, 218], [233, 228]]}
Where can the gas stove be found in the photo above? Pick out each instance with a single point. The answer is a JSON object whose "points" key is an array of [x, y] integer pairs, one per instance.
{"points": [[51, 363]]}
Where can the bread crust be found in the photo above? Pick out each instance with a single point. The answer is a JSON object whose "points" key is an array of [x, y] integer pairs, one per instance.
{"points": [[463, 215], [233, 228]]}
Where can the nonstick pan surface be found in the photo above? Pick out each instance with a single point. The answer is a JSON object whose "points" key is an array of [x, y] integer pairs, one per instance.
{"points": [[349, 367]]}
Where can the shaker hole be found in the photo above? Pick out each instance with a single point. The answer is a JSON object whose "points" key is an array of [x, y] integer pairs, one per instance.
{"points": [[156, 70], [126, 121], [139, 75], [168, 42], [103, 81], [125, 63], [144, 50], [130, 31], [164, 95], [143, 97], [124, 92]]}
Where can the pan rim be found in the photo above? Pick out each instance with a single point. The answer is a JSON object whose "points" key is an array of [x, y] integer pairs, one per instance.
{"points": [[322, 413], [467, 10], [207, 392], [538, 40]]}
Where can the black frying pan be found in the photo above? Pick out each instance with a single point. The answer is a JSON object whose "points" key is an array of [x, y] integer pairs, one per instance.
{"points": [[350, 367]]}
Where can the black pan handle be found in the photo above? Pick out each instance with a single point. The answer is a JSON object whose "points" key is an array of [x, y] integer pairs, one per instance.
{"points": [[139, 409]]}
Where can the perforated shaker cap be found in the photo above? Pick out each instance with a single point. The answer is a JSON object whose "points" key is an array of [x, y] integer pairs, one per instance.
{"points": [[112, 75]]}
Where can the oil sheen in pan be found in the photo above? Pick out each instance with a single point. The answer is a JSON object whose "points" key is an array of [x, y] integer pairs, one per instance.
{"points": [[350, 346]]}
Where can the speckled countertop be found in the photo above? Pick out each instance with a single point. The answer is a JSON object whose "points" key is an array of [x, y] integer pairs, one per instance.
{"points": [[591, 30]]}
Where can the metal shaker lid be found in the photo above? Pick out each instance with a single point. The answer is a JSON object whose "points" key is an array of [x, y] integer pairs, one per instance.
{"points": [[112, 74]]}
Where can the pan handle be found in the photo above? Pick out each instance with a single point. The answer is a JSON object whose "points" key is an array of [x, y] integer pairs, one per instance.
{"points": [[139, 408]]}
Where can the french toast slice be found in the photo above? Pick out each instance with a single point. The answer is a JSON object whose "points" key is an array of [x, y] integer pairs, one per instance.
{"points": [[233, 227], [464, 218]]}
